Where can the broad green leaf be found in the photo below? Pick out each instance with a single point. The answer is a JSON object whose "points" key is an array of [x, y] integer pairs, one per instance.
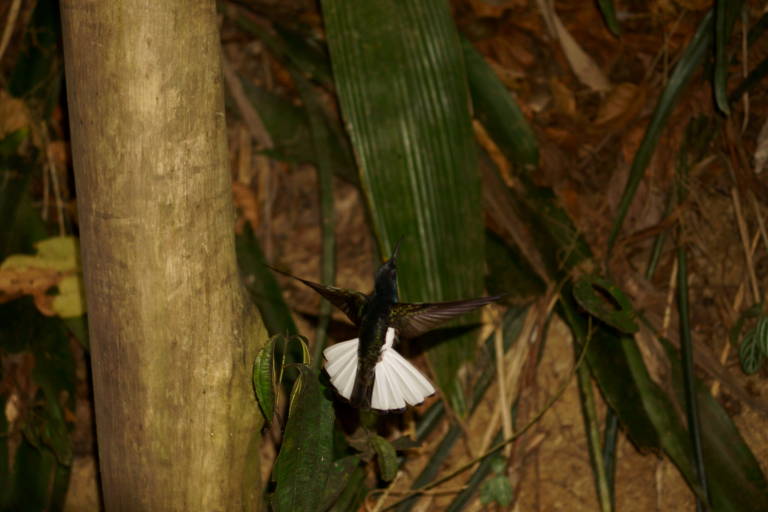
{"points": [[750, 354], [402, 88], [386, 457], [735, 479], [497, 489], [264, 380], [305, 460], [611, 306]]}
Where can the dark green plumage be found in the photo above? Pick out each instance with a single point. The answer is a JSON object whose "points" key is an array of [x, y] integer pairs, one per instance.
{"points": [[373, 314]]}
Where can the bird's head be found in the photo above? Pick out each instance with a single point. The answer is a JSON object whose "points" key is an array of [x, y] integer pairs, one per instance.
{"points": [[386, 276]]}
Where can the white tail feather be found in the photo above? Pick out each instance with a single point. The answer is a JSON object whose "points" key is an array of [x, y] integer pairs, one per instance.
{"points": [[341, 366], [397, 381]]}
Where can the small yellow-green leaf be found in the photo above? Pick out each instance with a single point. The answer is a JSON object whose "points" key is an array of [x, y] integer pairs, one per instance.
{"points": [[386, 457], [264, 380], [69, 303], [497, 489], [58, 253]]}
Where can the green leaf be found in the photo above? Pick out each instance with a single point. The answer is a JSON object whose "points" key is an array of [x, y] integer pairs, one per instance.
{"points": [[689, 62], [761, 332], [321, 141], [726, 13], [497, 489], [351, 498], [735, 479], [46, 430], [509, 272], [305, 461], [750, 353], [498, 464], [386, 457], [28, 487], [264, 380], [402, 87], [10, 144], [609, 15], [262, 286], [498, 111], [615, 309], [339, 478]]}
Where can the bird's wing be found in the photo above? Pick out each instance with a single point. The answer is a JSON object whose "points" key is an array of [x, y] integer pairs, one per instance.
{"points": [[413, 320], [349, 301]]}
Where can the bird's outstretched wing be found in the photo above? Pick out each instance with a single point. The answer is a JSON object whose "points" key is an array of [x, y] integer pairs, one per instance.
{"points": [[412, 320], [349, 301]]}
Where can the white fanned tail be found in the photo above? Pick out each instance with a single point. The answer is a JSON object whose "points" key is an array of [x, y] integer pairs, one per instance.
{"points": [[397, 381]]}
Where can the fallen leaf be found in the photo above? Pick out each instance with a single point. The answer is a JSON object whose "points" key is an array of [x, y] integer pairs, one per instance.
{"points": [[583, 66], [624, 101]]}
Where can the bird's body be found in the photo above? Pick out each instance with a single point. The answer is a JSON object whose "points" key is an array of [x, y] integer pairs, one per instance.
{"points": [[367, 370]]}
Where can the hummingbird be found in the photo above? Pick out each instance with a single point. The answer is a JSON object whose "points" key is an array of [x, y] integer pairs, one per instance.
{"points": [[367, 370]]}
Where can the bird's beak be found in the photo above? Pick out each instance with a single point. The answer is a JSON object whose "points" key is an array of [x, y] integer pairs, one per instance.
{"points": [[393, 258]]}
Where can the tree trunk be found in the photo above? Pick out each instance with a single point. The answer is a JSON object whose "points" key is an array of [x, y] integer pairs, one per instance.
{"points": [[172, 334]]}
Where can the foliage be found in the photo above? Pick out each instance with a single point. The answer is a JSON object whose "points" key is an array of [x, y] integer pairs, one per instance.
{"points": [[409, 79]]}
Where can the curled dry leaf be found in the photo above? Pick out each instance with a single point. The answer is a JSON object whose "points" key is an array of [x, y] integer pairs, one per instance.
{"points": [[622, 102], [583, 66], [565, 100]]}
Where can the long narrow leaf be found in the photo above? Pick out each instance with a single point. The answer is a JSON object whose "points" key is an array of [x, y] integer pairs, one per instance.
{"points": [[321, 141], [262, 286], [402, 87], [689, 63], [497, 110], [305, 460]]}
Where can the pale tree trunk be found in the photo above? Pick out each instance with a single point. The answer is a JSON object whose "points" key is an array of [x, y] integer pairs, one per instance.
{"points": [[172, 334]]}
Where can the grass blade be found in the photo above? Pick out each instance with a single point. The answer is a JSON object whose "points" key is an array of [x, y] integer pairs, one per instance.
{"points": [[689, 63], [691, 404], [609, 15]]}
